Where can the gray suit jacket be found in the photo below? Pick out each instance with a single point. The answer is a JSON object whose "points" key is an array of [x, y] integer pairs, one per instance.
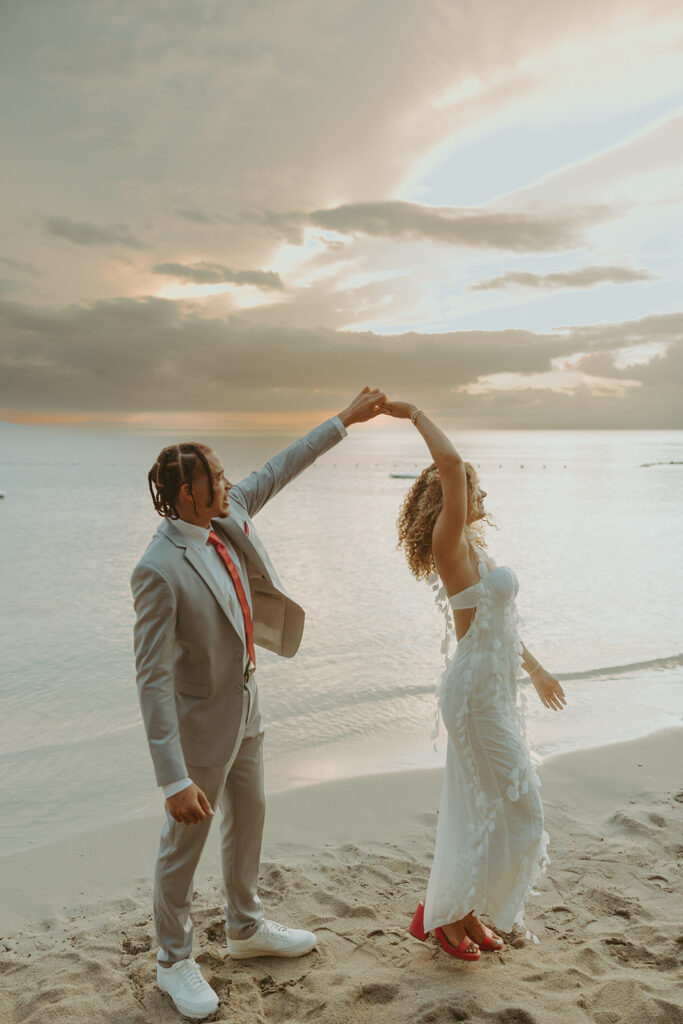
{"points": [[189, 655]]}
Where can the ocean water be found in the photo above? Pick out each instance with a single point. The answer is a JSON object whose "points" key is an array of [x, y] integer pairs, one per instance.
{"points": [[589, 520]]}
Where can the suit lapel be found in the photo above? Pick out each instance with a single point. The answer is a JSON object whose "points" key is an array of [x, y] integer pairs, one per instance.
{"points": [[197, 563], [234, 528], [202, 569]]}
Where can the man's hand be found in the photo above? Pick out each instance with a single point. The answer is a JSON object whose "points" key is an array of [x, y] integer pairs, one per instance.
{"points": [[189, 806], [365, 406], [549, 690]]}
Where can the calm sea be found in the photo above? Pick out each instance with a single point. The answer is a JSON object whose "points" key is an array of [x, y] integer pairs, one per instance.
{"points": [[590, 521]]}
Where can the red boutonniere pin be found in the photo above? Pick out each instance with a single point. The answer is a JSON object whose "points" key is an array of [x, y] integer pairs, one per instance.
{"points": [[246, 528]]}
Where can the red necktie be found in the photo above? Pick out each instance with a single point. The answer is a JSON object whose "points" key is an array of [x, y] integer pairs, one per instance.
{"points": [[239, 589]]}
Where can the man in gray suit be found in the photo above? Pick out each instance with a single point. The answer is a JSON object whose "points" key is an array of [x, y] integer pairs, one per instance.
{"points": [[205, 594]]}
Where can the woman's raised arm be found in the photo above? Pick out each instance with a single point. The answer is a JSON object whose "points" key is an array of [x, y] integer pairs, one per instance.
{"points": [[449, 464]]}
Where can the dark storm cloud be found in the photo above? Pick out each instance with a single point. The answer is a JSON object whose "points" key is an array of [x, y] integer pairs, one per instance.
{"points": [[132, 355], [583, 277], [82, 232], [206, 272]]}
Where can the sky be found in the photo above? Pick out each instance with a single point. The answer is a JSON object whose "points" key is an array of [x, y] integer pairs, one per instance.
{"points": [[233, 214]]}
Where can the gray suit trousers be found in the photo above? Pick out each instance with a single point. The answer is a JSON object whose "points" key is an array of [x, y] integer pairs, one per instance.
{"points": [[237, 791]]}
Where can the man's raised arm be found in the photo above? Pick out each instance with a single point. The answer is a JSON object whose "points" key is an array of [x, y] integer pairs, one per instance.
{"points": [[263, 484]]}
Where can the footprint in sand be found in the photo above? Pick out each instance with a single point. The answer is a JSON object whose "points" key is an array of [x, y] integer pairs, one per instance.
{"points": [[562, 914], [136, 946], [661, 882], [632, 826], [378, 992], [628, 953], [215, 932], [443, 1014], [341, 908], [514, 1016]]}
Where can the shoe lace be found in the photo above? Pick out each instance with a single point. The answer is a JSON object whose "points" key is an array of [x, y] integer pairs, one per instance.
{"points": [[274, 927], [191, 975]]}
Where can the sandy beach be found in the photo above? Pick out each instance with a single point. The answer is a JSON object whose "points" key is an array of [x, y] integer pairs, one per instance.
{"points": [[350, 860]]}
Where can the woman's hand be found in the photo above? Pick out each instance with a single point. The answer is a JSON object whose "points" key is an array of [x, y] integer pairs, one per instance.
{"points": [[400, 410], [549, 690]]}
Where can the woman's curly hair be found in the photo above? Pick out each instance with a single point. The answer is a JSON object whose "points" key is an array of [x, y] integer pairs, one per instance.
{"points": [[417, 518]]}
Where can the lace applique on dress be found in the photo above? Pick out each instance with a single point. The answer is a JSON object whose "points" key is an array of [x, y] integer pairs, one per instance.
{"points": [[441, 599], [491, 844]]}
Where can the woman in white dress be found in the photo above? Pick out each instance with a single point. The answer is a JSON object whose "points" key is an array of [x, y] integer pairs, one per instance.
{"points": [[490, 840]]}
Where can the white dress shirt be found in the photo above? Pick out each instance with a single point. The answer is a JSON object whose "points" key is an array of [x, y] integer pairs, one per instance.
{"points": [[198, 537]]}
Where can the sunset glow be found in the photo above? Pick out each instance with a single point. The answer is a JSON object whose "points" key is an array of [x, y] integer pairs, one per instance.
{"points": [[453, 217]]}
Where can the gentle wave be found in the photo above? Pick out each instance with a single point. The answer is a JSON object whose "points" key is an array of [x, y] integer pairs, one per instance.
{"points": [[673, 661], [329, 703], [326, 704], [335, 716]]}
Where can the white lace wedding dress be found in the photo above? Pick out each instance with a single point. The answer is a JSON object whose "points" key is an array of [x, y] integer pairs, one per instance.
{"points": [[490, 840]]}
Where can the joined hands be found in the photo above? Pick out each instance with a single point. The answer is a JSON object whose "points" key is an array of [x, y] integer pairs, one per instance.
{"points": [[365, 406]]}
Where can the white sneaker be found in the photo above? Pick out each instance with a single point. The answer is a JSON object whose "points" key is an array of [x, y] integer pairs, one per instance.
{"points": [[191, 994], [272, 939]]}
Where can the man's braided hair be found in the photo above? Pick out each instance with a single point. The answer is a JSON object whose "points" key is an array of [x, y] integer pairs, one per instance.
{"points": [[174, 467]]}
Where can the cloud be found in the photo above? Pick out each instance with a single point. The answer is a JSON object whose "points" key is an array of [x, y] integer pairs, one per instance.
{"points": [[196, 216], [644, 408], [25, 266], [474, 228], [82, 232], [150, 355], [206, 272], [664, 368], [582, 277], [665, 328], [653, 151]]}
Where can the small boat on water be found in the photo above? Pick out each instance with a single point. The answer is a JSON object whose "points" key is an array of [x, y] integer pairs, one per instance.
{"points": [[403, 476]]}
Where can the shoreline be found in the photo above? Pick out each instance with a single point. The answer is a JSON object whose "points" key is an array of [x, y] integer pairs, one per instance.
{"points": [[287, 771], [350, 859], [288, 824]]}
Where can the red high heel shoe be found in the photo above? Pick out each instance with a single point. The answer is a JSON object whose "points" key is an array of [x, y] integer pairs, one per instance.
{"points": [[461, 950], [417, 929], [489, 943], [417, 925]]}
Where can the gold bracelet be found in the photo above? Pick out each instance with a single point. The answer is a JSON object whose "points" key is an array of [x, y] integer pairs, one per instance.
{"points": [[415, 415]]}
